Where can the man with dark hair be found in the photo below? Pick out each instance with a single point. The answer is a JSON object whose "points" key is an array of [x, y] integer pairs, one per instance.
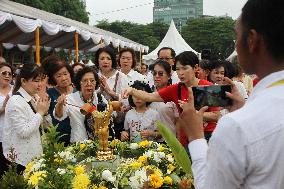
{"points": [[168, 54], [246, 150]]}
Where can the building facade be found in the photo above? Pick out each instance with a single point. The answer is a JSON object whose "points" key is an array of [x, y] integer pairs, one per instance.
{"points": [[178, 10]]}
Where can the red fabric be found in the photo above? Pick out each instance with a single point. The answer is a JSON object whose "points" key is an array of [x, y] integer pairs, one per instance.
{"points": [[170, 93], [255, 81]]}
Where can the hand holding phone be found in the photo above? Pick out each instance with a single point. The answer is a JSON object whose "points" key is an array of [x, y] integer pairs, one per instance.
{"points": [[214, 95]]}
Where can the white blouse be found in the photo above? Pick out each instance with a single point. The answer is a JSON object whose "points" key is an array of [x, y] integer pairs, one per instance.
{"points": [[21, 129], [78, 130], [2, 115]]}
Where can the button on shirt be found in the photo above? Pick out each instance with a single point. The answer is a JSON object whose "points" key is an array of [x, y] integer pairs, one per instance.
{"points": [[21, 130], [246, 151]]}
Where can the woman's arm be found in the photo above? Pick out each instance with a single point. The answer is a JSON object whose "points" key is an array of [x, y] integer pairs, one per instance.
{"points": [[148, 97]]}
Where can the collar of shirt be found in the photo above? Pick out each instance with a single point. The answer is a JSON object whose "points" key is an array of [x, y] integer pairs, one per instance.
{"points": [[132, 73], [112, 77], [266, 82], [26, 95]]}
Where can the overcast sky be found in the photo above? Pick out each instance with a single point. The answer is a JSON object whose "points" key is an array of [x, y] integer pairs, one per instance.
{"points": [[143, 13]]}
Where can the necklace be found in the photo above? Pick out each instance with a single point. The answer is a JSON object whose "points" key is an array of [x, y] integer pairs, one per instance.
{"points": [[90, 100]]}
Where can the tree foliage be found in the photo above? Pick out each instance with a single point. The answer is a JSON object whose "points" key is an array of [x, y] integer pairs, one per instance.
{"points": [[74, 9], [215, 33], [150, 34]]}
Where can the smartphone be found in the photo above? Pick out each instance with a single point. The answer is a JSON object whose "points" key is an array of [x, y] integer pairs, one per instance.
{"points": [[213, 95]]}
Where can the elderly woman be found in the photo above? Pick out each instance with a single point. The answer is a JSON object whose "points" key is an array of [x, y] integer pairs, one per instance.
{"points": [[59, 76], [23, 116], [127, 62], [6, 73], [86, 82]]}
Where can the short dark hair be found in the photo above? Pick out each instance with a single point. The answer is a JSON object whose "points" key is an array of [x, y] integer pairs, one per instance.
{"points": [[173, 53], [187, 58], [53, 64], [231, 69], [80, 75], [27, 72], [78, 64], [166, 66], [134, 62], [111, 53], [139, 85], [143, 64], [213, 64], [204, 64], [267, 18]]}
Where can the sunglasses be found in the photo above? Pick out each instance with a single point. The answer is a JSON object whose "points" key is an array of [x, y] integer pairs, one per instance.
{"points": [[6, 74], [160, 73]]}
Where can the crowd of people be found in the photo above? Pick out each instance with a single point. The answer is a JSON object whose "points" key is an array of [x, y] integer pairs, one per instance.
{"points": [[242, 149]]}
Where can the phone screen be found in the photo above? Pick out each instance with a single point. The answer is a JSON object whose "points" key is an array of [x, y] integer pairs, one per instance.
{"points": [[213, 95]]}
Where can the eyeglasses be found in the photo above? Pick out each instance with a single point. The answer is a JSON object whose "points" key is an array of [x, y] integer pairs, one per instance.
{"points": [[87, 81], [165, 59], [6, 74], [160, 73]]}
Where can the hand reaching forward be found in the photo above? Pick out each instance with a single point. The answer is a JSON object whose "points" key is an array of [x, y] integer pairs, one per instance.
{"points": [[191, 120]]}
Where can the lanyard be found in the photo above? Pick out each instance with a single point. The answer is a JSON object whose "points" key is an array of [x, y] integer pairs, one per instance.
{"points": [[281, 82]]}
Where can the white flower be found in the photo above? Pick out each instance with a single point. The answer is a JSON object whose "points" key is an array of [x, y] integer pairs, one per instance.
{"points": [[138, 179], [161, 154], [157, 158], [133, 146], [149, 153], [67, 156], [61, 171], [107, 175], [170, 158]]}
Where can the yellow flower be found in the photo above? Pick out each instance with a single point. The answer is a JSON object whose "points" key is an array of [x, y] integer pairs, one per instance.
{"points": [[29, 166], [144, 144], [79, 169], [136, 165], [82, 146], [94, 187], [168, 180], [157, 171], [102, 187], [58, 160], [161, 148], [170, 168], [142, 159], [81, 181], [155, 181], [36, 177], [114, 143]]}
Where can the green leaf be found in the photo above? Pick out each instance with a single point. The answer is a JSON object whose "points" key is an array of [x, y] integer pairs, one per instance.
{"points": [[178, 150]]}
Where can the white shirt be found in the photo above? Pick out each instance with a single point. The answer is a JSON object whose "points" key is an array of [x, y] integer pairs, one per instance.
{"points": [[136, 122], [21, 129], [2, 115], [168, 113], [122, 83], [246, 151], [78, 130], [134, 75]]}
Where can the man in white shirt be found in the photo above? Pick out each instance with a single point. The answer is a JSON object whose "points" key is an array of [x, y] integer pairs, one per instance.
{"points": [[246, 151]]}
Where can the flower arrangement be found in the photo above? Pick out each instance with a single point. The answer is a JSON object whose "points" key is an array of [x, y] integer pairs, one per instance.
{"points": [[140, 165]]}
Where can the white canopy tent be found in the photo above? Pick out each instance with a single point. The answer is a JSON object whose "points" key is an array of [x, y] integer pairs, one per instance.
{"points": [[172, 39], [18, 24], [232, 55]]}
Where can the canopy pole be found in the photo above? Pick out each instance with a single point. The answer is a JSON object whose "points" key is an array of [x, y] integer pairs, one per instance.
{"points": [[118, 49], [140, 56], [37, 47], [70, 56], [101, 43], [77, 47]]}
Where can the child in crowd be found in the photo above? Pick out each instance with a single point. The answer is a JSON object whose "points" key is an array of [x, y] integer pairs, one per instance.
{"points": [[139, 122]]}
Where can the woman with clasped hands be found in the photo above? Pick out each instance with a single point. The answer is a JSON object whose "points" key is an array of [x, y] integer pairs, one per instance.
{"points": [[23, 117]]}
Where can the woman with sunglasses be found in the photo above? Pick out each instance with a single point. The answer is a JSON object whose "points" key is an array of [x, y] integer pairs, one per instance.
{"points": [[86, 82], [6, 73], [162, 78], [23, 116], [60, 77]]}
